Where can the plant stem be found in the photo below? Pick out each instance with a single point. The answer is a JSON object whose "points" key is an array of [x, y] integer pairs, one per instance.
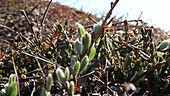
{"points": [[45, 13], [15, 69]]}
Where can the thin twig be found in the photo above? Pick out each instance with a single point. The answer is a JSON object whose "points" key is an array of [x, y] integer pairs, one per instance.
{"points": [[28, 78], [36, 70], [3, 79], [24, 44], [139, 18], [39, 65], [108, 16], [128, 21], [112, 19], [15, 70], [20, 35], [110, 12], [3, 26], [36, 6], [41, 59], [22, 41], [104, 84], [26, 17], [34, 89], [94, 21], [89, 26], [45, 13], [126, 29], [87, 74], [30, 24], [107, 78], [35, 58]]}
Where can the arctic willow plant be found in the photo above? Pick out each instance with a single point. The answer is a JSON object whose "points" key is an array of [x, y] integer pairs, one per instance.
{"points": [[84, 52], [84, 49]]}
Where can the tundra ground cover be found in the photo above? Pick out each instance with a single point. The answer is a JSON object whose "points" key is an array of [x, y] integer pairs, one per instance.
{"points": [[87, 57]]}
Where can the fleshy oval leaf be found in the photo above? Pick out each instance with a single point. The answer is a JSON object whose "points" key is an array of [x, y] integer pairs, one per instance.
{"points": [[78, 47], [12, 78], [67, 73], [80, 29], [164, 45], [11, 90], [84, 64], [76, 68], [97, 29], [86, 41], [44, 92], [92, 53], [49, 83], [60, 75], [71, 88], [73, 60]]}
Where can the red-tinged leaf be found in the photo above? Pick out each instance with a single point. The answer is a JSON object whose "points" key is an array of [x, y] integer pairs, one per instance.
{"points": [[157, 65]]}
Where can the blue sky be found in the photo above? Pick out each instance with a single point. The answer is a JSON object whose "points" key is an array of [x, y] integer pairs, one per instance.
{"points": [[155, 12]]}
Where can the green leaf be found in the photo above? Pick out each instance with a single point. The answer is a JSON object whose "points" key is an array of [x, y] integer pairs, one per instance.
{"points": [[137, 76], [60, 27], [7, 88], [97, 29], [92, 53], [49, 83], [164, 45], [86, 41], [76, 68], [80, 29], [71, 88], [84, 63], [159, 54], [44, 92], [12, 79], [60, 75], [73, 60], [128, 59], [49, 52], [11, 90], [78, 47], [67, 73]]}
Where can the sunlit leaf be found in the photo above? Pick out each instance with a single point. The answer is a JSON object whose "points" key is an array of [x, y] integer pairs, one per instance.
{"points": [[80, 29], [76, 68], [86, 41], [164, 45], [92, 53], [78, 47], [84, 63]]}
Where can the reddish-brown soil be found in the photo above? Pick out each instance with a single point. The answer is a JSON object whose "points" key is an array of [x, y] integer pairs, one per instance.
{"points": [[10, 16]]}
